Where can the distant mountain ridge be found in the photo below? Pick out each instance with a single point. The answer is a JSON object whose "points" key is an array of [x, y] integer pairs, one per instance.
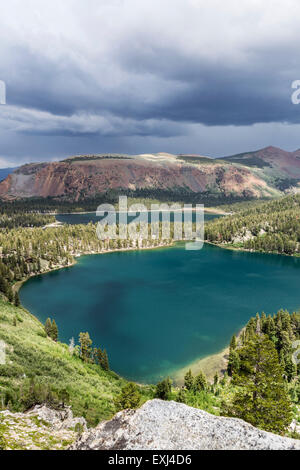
{"points": [[280, 168], [259, 174]]}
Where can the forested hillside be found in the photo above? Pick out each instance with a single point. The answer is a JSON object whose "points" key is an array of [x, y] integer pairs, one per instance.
{"points": [[30, 251], [263, 372], [272, 227]]}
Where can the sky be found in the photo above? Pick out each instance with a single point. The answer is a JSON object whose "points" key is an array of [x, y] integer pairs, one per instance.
{"points": [[141, 76]]}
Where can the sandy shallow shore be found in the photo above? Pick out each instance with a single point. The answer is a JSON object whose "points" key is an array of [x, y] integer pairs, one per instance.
{"points": [[209, 365]]}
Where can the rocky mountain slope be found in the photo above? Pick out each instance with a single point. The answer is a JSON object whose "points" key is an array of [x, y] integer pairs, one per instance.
{"points": [[41, 428], [88, 176], [169, 425], [278, 167]]}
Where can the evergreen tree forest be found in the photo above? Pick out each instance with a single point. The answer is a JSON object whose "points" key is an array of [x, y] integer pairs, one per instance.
{"points": [[263, 368], [261, 384], [272, 227], [29, 251]]}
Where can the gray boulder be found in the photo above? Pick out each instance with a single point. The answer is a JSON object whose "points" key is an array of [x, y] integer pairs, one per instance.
{"points": [[164, 425], [57, 419]]}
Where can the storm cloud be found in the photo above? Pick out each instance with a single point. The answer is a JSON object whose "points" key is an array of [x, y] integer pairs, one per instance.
{"points": [[136, 75]]}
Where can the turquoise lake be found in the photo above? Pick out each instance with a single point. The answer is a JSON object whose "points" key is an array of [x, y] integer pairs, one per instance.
{"points": [[156, 311], [85, 218]]}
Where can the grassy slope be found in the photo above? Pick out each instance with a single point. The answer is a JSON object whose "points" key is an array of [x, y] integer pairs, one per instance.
{"points": [[91, 389], [29, 352]]}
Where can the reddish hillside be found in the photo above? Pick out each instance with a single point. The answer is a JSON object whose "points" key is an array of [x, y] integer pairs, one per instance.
{"points": [[284, 164], [88, 176]]}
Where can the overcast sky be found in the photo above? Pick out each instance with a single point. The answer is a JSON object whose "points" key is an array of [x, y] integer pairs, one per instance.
{"points": [[135, 76]]}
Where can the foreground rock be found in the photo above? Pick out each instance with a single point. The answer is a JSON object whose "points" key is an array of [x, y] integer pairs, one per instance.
{"points": [[41, 428], [169, 426]]}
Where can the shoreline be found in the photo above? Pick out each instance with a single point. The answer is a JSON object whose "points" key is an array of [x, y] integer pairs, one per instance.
{"points": [[207, 210], [17, 286], [216, 362], [210, 365], [244, 250]]}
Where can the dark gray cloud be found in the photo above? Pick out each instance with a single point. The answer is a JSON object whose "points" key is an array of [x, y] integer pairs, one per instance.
{"points": [[132, 76]]}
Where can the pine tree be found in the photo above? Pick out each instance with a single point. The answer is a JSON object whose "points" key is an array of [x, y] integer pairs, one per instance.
{"points": [[163, 389], [104, 363], [85, 346], [95, 355], [270, 328], [233, 362], [233, 342], [130, 397], [17, 300], [99, 356], [10, 295], [200, 382], [290, 368], [189, 380], [48, 327], [262, 399], [54, 331], [295, 323], [286, 320], [263, 321], [233, 359], [250, 329], [181, 396]]}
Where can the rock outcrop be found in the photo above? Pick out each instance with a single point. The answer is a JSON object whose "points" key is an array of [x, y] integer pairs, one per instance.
{"points": [[57, 419], [163, 425], [41, 428]]}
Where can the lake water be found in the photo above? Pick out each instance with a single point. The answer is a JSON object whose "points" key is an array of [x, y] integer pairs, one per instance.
{"points": [[74, 219], [156, 311]]}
